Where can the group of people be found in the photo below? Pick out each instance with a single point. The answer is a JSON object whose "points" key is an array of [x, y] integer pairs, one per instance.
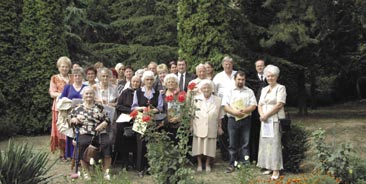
{"points": [[244, 110]]}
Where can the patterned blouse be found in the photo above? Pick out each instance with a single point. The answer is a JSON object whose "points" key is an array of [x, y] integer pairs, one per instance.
{"points": [[93, 117]]}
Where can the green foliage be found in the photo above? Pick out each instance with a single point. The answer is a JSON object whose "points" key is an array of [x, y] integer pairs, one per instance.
{"points": [[168, 160], [338, 162], [19, 164], [203, 31], [245, 173], [295, 145], [10, 87], [43, 43]]}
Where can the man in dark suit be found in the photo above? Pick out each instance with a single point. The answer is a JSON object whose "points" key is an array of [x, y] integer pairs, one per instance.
{"points": [[183, 76], [257, 83]]}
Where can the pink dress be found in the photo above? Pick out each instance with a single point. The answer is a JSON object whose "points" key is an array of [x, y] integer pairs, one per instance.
{"points": [[57, 139]]}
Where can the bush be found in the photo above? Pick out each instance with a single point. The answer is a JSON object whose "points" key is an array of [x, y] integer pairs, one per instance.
{"points": [[339, 161], [18, 164], [294, 145]]}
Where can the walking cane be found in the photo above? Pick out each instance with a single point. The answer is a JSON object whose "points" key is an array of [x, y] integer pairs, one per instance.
{"points": [[76, 174]]}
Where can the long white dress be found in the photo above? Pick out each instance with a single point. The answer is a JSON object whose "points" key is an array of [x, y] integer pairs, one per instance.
{"points": [[270, 148]]}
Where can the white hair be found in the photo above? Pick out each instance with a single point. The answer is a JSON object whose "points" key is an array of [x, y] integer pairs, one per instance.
{"points": [[271, 69], [206, 82], [227, 58], [147, 74], [171, 76], [86, 88]]}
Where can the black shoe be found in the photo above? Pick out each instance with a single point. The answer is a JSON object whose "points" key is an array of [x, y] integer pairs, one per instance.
{"points": [[230, 169]]}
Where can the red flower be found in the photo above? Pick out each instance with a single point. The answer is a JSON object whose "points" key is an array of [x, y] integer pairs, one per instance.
{"points": [[169, 98], [134, 113], [182, 96], [146, 118], [191, 86]]}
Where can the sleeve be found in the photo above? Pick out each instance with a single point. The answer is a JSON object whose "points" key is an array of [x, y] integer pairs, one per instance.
{"points": [[252, 99], [281, 94], [114, 94], [226, 98], [53, 86], [123, 101], [65, 91], [135, 101], [261, 99], [160, 102]]}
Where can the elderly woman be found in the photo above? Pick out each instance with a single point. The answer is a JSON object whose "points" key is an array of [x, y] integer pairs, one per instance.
{"points": [[105, 91], [57, 84], [201, 75], [171, 123], [206, 124], [93, 121], [123, 144], [91, 75], [271, 109], [142, 98], [162, 70], [73, 91]]}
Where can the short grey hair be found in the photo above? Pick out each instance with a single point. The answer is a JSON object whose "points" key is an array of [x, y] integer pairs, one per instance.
{"points": [[86, 88], [200, 66], [171, 76], [106, 70], [271, 69], [78, 71], [206, 82], [148, 74], [227, 58]]}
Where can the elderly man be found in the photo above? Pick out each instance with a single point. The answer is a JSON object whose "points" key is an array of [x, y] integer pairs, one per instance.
{"points": [[239, 102], [224, 81]]}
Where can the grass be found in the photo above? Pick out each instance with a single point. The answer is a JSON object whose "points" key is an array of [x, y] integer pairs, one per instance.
{"points": [[344, 123]]}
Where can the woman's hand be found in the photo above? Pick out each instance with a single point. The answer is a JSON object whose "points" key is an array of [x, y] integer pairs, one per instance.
{"points": [[220, 131], [75, 121], [101, 127], [173, 120], [263, 117]]}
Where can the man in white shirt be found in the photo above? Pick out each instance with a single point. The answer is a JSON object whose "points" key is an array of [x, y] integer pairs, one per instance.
{"points": [[239, 102], [225, 79]]}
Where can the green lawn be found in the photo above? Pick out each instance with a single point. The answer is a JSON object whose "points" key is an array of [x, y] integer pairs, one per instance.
{"points": [[344, 123]]}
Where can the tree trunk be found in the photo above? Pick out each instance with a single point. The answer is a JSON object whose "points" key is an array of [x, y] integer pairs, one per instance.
{"points": [[302, 93]]}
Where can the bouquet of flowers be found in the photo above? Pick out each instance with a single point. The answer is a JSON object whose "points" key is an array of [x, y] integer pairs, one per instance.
{"points": [[141, 120], [174, 105]]}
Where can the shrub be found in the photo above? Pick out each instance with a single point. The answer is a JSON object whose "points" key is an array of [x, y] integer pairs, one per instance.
{"points": [[18, 164], [339, 161], [294, 145]]}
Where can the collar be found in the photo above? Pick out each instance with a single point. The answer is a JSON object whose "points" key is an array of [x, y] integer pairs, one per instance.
{"points": [[143, 89]]}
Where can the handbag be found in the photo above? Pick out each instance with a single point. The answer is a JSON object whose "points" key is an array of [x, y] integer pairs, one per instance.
{"points": [[159, 116], [285, 124], [128, 132]]}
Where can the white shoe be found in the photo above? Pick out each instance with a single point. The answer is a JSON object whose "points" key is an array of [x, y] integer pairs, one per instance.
{"points": [[107, 177], [268, 172]]}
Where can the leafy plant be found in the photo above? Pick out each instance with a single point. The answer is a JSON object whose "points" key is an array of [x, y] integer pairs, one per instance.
{"points": [[295, 144], [19, 164], [168, 160], [338, 162]]}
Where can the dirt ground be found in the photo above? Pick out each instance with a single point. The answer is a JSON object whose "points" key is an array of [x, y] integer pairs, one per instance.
{"points": [[345, 123]]}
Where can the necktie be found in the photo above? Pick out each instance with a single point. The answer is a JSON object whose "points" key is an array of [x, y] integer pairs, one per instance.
{"points": [[181, 82], [261, 77]]}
